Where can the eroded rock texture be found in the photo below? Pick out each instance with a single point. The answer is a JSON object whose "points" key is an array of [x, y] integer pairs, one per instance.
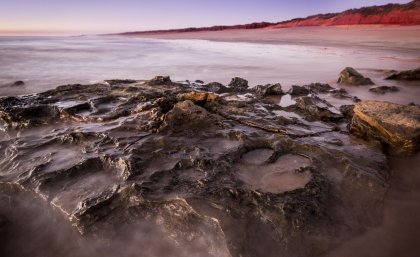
{"points": [[398, 126], [232, 174]]}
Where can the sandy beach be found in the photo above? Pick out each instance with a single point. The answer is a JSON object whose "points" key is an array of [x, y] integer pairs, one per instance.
{"points": [[367, 36]]}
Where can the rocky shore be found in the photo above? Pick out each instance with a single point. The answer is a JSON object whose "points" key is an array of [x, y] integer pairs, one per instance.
{"points": [[213, 169]]}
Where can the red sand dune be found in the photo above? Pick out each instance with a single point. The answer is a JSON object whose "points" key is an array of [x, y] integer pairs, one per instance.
{"points": [[390, 14]]}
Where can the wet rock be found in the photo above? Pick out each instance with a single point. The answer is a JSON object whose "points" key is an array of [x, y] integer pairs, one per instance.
{"points": [[215, 87], [200, 98], [120, 81], [238, 85], [320, 88], [265, 90], [298, 91], [21, 117], [350, 76], [199, 81], [160, 80], [383, 89], [406, 75], [187, 116], [18, 83], [179, 158], [398, 126], [347, 111], [315, 108]]}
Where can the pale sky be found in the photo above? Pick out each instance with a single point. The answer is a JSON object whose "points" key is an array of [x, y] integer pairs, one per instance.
{"points": [[107, 16]]}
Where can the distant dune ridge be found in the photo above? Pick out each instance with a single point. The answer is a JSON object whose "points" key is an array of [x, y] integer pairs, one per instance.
{"points": [[390, 14]]}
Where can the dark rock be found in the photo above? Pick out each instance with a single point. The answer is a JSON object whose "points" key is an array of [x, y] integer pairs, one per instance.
{"points": [[406, 75], [383, 89], [199, 81], [238, 84], [160, 80], [18, 83], [298, 91], [347, 111], [28, 116], [342, 94], [350, 76], [215, 87], [182, 160], [320, 88], [265, 90], [187, 116], [113, 82], [398, 126], [315, 108]]}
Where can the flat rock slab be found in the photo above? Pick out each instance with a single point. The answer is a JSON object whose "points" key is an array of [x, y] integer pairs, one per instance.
{"points": [[396, 125]]}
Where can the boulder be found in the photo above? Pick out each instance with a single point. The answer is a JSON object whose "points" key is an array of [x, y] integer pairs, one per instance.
{"points": [[351, 76], [200, 98], [238, 84], [298, 91], [315, 108], [18, 83], [383, 89], [215, 87], [406, 75], [396, 125], [320, 88], [160, 80], [187, 116], [269, 89]]}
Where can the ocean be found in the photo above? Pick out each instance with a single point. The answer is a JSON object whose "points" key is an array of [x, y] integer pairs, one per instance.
{"points": [[46, 62]]}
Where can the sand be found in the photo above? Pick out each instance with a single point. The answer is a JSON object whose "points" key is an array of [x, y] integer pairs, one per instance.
{"points": [[371, 36]]}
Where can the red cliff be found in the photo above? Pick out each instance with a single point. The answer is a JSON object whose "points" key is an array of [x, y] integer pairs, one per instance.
{"points": [[390, 14]]}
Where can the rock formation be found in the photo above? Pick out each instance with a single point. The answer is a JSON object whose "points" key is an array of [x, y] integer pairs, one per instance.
{"points": [[398, 126], [233, 174], [383, 89], [406, 75], [350, 76]]}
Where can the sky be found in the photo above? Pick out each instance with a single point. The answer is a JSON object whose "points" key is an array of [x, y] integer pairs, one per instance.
{"points": [[108, 16]]}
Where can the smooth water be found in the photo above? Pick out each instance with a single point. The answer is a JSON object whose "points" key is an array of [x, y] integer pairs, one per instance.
{"points": [[46, 62]]}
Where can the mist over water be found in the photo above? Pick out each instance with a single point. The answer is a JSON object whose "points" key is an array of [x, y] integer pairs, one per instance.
{"points": [[399, 233], [46, 62], [30, 227]]}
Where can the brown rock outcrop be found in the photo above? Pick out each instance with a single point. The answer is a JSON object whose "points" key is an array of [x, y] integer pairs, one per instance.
{"points": [[350, 76], [398, 126]]}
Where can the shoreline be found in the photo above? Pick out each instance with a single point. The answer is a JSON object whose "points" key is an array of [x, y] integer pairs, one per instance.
{"points": [[373, 35]]}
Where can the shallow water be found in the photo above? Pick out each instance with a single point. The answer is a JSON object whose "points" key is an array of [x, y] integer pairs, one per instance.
{"points": [[285, 174], [46, 62], [399, 231]]}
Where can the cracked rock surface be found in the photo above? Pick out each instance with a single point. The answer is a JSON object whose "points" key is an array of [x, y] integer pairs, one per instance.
{"points": [[229, 174]]}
